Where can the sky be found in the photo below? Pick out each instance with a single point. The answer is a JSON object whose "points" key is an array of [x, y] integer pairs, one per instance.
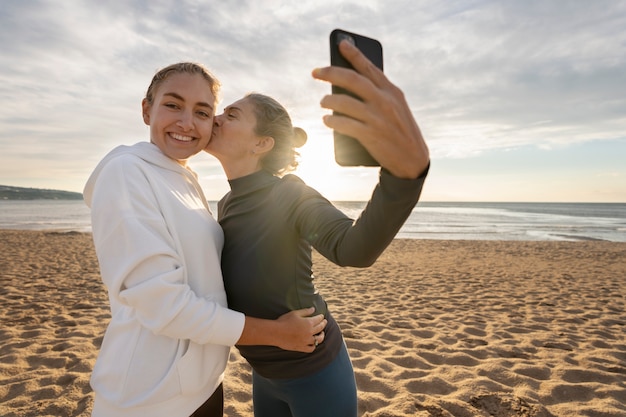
{"points": [[517, 100]]}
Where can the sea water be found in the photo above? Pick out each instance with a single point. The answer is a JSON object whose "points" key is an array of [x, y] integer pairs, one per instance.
{"points": [[68, 215], [428, 220]]}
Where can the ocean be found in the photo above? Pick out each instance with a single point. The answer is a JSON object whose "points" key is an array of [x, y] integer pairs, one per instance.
{"points": [[429, 220]]}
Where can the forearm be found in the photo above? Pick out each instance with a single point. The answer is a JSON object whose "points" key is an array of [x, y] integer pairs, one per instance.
{"points": [[260, 332], [359, 243]]}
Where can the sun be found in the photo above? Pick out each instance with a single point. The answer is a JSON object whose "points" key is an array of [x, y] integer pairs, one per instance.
{"points": [[317, 168]]}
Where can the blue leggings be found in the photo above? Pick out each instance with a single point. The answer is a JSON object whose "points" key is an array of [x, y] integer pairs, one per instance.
{"points": [[329, 392]]}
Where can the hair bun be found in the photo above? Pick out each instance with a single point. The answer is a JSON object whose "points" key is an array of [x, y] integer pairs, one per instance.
{"points": [[299, 137]]}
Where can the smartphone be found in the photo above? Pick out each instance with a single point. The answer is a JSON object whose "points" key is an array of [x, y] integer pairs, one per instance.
{"points": [[349, 151]]}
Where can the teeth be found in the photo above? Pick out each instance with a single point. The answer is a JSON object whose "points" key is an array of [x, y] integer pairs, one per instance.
{"points": [[182, 138]]}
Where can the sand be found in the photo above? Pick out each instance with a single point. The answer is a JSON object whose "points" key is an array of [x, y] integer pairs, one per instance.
{"points": [[434, 328]]}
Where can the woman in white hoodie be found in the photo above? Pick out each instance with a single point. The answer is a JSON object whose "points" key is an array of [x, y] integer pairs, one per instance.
{"points": [[166, 347]]}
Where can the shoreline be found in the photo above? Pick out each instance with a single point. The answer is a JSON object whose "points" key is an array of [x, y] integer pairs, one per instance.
{"points": [[561, 237], [429, 220], [434, 328]]}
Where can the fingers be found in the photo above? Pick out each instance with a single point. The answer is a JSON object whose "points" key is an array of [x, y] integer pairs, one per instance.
{"points": [[364, 80], [304, 312], [320, 326], [352, 116], [299, 331], [347, 106], [362, 64], [317, 323], [318, 339], [348, 79], [356, 118]]}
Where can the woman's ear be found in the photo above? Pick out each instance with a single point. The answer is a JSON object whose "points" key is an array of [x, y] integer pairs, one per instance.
{"points": [[145, 111], [264, 144]]}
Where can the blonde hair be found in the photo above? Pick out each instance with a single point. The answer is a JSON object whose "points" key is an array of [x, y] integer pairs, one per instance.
{"points": [[182, 67], [273, 120]]}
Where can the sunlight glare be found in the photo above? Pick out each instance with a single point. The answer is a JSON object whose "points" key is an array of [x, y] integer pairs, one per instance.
{"points": [[319, 170], [317, 166]]}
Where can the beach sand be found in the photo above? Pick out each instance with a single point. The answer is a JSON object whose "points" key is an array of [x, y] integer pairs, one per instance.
{"points": [[434, 328]]}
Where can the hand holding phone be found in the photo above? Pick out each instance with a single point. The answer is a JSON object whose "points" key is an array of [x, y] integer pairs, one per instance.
{"points": [[348, 150], [383, 120]]}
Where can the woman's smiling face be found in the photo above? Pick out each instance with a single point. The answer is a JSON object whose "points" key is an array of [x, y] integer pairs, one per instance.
{"points": [[181, 115]]}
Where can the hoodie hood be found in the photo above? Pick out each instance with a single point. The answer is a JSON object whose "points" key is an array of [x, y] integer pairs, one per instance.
{"points": [[146, 151]]}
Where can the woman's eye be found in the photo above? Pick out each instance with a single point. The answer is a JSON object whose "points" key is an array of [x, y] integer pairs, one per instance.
{"points": [[204, 114]]}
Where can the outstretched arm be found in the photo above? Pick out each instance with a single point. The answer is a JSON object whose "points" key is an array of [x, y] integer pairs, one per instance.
{"points": [[382, 122]]}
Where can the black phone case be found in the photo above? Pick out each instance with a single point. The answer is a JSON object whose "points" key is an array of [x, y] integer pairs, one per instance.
{"points": [[348, 151]]}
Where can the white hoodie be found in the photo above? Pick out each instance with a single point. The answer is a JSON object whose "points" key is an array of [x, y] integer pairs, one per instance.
{"points": [[166, 347]]}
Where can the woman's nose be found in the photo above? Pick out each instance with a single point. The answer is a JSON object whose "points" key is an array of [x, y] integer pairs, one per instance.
{"points": [[186, 120]]}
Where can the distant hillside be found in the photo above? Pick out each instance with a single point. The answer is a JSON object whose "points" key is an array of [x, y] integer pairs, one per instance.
{"points": [[18, 193]]}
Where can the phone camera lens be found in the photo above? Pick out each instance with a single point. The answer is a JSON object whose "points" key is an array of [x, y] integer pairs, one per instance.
{"points": [[345, 36]]}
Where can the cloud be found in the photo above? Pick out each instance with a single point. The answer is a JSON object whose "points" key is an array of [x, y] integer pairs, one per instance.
{"points": [[498, 68], [479, 75]]}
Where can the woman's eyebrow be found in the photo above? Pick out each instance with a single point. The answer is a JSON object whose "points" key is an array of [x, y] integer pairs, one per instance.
{"points": [[179, 97], [230, 108]]}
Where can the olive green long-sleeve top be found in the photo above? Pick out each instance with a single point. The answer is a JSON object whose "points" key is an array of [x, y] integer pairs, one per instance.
{"points": [[270, 226]]}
